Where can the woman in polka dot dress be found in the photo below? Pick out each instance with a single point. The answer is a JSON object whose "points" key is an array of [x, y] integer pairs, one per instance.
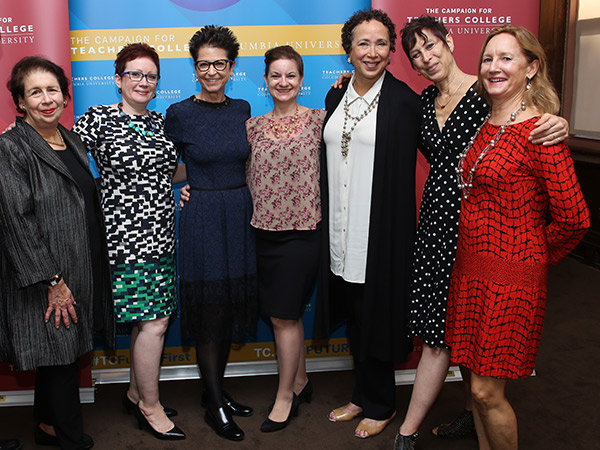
{"points": [[453, 111]]}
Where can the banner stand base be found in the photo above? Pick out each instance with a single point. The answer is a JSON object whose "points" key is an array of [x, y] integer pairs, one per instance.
{"points": [[25, 397], [190, 372]]}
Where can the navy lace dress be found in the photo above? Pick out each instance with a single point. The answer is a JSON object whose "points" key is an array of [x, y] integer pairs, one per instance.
{"points": [[217, 256]]}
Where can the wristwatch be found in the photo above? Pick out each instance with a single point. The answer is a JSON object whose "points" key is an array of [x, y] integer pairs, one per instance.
{"points": [[54, 280]]}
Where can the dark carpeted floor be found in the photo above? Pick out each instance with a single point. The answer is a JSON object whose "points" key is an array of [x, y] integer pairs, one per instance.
{"points": [[557, 409]]}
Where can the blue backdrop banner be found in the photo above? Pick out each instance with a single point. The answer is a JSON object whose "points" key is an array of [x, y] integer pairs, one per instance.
{"points": [[100, 29]]}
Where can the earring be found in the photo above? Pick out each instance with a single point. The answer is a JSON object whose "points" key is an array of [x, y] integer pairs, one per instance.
{"points": [[267, 93], [231, 78], [154, 95], [300, 92], [120, 91], [349, 60], [528, 84], [64, 104]]}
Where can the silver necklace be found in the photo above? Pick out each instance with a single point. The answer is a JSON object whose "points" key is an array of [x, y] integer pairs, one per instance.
{"points": [[437, 98], [347, 135], [465, 182]]}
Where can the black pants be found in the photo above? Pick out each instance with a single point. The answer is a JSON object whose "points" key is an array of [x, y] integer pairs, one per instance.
{"points": [[56, 403], [375, 386]]}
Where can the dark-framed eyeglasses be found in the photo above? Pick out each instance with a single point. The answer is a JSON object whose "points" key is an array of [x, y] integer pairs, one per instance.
{"points": [[219, 64], [136, 76]]}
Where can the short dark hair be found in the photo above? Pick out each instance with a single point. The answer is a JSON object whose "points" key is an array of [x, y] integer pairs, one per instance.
{"points": [[416, 27], [28, 64], [283, 52], [135, 51], [215, 36], [366, 15]]}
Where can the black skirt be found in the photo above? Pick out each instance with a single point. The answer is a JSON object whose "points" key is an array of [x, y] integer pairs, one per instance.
{"points": [[287, 265]]}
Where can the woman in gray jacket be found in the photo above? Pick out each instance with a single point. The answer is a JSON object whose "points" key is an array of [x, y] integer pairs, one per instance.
{"points": [[54, 277]]}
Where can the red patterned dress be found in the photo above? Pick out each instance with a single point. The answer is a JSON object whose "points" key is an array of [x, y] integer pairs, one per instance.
{"points": [[524, 211]]}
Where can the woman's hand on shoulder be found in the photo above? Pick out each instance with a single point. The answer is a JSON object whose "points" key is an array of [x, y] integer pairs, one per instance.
{"points": [[61, 302], [9, 127], [184, 195], [549, 130], [340, 81]]}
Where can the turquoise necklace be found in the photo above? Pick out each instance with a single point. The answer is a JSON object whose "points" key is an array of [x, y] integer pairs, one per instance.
{"points": [[135, 127]]}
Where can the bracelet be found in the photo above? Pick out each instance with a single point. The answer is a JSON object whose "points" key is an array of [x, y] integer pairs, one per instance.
{"points": [[54, 280]]}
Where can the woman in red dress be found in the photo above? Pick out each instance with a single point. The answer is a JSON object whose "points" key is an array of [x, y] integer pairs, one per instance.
{"points": [[509, 189]]}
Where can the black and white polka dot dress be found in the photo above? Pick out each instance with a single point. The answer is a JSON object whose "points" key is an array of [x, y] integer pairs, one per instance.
{"points": [[438, 221]]}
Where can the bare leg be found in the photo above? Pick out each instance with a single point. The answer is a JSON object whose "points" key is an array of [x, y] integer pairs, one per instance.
{"points": [[466, 376], [287, 340], [133, 393], [431, 373], [496, 417], [482, 439], [147, 354], [301, 378], [462, 425]]}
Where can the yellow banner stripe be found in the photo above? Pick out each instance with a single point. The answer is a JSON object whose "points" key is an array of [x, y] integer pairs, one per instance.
{"points": [[103, 45], [250, 352]]}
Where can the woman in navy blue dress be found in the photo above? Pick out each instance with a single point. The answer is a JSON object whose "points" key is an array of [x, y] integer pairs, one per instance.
{"points": [[216, 243]]}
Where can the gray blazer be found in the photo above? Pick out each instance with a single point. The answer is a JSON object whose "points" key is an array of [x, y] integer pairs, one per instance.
{"points": [[43, 230]]}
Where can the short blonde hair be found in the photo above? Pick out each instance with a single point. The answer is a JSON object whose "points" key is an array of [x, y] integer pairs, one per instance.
{"points": [[542, 94]]}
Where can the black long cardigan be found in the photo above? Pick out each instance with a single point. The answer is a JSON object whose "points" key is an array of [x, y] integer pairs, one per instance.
{"points": [[391, 228]]}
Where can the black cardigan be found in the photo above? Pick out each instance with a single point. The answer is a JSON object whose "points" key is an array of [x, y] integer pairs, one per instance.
{"points": [[391, 229]]}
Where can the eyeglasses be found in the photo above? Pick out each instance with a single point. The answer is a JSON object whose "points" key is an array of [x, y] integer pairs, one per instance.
{"points": [[136, 76], [219, 65]]}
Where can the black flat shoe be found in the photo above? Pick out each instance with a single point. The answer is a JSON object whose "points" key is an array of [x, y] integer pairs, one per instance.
{"points": [[269, 426], [235, 408], [10, 444], [130, 407], [219, 419], [42, 438], [306, 394], [174, 434]]}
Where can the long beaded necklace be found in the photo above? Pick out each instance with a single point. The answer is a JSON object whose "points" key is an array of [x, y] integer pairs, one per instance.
{"points": [[135, 127], [465, 182], [437, 97], [347, 135], [287, 128]]}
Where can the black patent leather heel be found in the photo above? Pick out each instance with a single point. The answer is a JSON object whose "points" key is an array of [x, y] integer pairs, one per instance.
{"points": [[174, 434]]}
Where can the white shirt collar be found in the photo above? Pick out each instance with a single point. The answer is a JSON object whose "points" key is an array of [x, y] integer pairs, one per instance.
{"points": [[371, 93]]}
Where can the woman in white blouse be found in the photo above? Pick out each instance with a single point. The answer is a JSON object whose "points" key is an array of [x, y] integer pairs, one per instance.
{"points": [[368, 204]]}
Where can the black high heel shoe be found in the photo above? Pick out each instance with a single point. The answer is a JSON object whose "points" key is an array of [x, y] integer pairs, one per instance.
{"points": [[219, 419], [174, 434], [306, 394], [268, 426], [130, 407]]}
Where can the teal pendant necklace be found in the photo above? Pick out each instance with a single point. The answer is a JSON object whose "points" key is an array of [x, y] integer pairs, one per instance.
{"points": [[133, 126]]}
